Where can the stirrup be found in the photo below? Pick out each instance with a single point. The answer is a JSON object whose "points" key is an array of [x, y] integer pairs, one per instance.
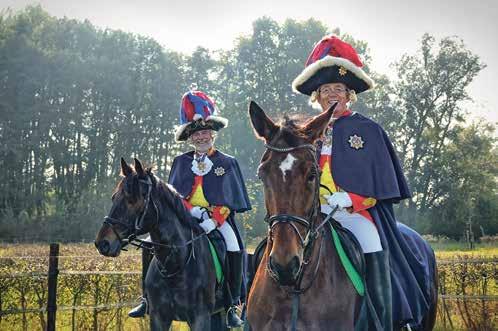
{"points": [[237, 321]]}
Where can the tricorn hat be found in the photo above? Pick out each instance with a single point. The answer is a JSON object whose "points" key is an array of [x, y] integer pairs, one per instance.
{"points": [[332, 61]]}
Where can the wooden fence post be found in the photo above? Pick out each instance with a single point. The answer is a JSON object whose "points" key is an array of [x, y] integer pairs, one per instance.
{"points": [[53, 272]]}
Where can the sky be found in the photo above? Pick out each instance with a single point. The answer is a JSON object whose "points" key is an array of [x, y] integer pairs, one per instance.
{"points": [[391, 27]]}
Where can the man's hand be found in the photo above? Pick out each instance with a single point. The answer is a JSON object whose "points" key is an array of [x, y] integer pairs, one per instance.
{"points": [[208, 225], [340, 199], [199, 212]]}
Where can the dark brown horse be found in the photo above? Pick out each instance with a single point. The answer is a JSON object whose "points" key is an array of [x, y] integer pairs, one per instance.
{"points": [[181, 280], [300, 283]]}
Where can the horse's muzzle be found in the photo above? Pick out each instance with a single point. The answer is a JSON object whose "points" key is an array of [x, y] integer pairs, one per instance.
{"points": [[108, 249], [288, 274]]}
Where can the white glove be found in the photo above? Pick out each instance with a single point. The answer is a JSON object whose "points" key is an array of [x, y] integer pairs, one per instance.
{"points": [[340, 199], [208, 225], [199, 212]]}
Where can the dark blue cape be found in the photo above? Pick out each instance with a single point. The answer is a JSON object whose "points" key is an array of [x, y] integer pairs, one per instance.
{"points": [[375, 171], [371, 171], [227, 190]]}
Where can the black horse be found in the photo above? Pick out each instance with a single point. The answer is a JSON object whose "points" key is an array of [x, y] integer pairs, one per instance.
{"points": [[181, 281]]}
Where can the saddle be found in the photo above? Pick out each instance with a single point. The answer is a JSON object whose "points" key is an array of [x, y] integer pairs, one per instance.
{"points": [[349, 244]]}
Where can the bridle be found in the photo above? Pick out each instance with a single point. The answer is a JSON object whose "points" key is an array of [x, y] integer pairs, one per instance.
{"points": [[307, 242], [137, 226], [311, 231]]}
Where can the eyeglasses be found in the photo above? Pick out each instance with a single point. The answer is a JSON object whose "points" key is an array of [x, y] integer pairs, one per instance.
{"points": [[328, 91]]}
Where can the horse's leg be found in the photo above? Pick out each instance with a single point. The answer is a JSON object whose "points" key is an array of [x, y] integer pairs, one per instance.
{"points": [[157, 323], [218, 322], [201, 323]]}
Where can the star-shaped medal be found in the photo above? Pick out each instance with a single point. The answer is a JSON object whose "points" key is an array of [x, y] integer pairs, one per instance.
{"points": [[201, 166], [356, 142], [219, 171]]}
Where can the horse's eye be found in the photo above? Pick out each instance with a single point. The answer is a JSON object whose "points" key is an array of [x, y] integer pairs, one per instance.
{"points": [[311, 178]]}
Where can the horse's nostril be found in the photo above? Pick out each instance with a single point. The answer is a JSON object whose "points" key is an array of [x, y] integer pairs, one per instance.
{"points": [[293, 265], [103, 247], [274, 265]]}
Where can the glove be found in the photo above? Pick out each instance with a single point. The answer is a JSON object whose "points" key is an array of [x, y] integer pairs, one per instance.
{"points": [[340, 199], [199, 212], [208, 225]]}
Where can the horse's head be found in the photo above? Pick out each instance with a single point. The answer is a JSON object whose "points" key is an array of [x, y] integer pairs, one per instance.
{"points": [[131, 211], [291, 180]]}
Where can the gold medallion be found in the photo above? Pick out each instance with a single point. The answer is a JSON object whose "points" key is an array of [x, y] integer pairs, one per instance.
{"points": [[201, 166]]}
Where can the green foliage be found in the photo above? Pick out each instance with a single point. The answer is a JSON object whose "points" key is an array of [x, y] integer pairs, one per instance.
{"points": [[75, 98]]}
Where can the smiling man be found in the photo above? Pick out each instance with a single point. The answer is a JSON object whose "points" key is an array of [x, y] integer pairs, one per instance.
{"points": [[213, 189], [362, 176]]}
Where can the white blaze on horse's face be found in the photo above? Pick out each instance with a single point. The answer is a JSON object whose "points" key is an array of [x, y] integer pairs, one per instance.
{"points": [[286, 164]]}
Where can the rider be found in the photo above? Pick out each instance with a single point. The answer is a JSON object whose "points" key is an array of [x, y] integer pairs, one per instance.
{"points": [[212, 185], [361, 175]]}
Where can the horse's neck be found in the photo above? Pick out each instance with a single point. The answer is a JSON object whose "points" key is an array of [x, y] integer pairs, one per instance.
{"points": [[170, 230]]}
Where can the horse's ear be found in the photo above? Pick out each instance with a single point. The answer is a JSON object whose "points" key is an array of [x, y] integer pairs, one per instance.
{"points": [[315, 127], [125, 168], [138, 167], [262, 124]]}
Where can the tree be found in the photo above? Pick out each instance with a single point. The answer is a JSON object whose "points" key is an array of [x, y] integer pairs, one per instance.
{"points": [[466, 189], [428, 97]]}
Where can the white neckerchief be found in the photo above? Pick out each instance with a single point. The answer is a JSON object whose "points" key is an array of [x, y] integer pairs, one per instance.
{"points": [[201, 164]]}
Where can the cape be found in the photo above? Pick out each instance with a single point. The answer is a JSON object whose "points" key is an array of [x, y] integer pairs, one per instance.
{"points": [[227, 189], [370, 167]]}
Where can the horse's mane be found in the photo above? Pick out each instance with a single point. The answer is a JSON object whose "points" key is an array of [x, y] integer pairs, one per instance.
{"points": [[166, 191], [291, 130], [174, 199]]}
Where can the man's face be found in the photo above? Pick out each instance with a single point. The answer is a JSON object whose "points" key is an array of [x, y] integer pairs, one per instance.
{"points": [[202, 140], [330, 93]]}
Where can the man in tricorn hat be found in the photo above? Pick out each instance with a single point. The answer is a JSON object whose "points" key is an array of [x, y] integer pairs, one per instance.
{"points": [[361, 175], [213, 187]]}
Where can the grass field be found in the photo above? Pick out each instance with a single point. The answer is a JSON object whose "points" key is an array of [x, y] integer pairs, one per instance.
{"points": [[23, 287]]}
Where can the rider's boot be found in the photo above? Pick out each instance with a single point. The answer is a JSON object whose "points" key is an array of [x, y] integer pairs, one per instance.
{"points": [[235, 261], [379, 286], [142, 308]]}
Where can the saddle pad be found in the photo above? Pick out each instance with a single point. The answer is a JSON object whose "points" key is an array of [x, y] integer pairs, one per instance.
{"points": [[216, 261], [354, 276]]}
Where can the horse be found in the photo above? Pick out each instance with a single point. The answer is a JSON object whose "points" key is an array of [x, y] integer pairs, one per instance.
{"points": [[181, 280], [300, 283]]}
